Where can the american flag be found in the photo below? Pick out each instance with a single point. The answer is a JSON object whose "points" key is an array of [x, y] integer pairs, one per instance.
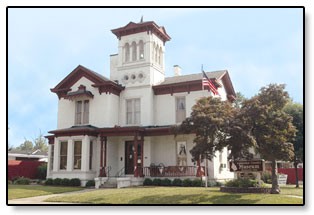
{"points": [[207, 82]]}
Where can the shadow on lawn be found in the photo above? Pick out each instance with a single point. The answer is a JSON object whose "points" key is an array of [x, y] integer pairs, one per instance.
{"points": [[193, 199]]}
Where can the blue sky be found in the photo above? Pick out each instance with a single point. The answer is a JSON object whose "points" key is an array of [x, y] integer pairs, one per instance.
{"points": [[257, 46]]}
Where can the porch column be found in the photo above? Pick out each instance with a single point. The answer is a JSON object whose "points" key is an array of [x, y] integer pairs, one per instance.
{"points": [[142, 156], [135, 156], [56, 158], [70, 155], [103, 150], [85, 153]]}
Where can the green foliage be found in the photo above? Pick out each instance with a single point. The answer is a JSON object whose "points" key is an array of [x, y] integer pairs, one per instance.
{"points": [[56, 181], [90, 183], [42, 171], [244, 183], [197, 183], [295, 110], [166, 182], [22, 180], [187, 182], [177, 182], [26, 146], [75, 182], [208, 120], [49, 181], [30, 146], [147, 182], [157, 182], [266, 177], [65, 182]]}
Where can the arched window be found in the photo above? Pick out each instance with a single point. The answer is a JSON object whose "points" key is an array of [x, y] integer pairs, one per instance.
{"points": [[127, 52], [160, 56], [156, 53], [153, 52], [134, 57], [141, 48]]}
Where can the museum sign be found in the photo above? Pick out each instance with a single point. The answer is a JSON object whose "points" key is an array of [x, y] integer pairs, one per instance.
{"points": [[247, 165]]}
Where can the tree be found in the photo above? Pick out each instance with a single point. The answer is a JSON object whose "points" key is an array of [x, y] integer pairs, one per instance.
{"points": [[295, 110], [238, 102], [26, 146], [272, 127], [29, 146], [40, 143], [209, 119]]}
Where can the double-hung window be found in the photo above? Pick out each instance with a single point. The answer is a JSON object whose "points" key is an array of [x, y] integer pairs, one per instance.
{"points": [[82, 112], [63, 154], [133, 111], [180, 109], [77, 155]]}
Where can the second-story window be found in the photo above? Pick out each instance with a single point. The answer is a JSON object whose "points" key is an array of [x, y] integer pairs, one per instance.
{"points": [[134, 52], [82, 112], [180, 109], [133, 111], [141, 48]]}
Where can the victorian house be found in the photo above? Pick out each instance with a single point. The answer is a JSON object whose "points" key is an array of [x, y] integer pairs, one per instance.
{"points": [[121, 127]]}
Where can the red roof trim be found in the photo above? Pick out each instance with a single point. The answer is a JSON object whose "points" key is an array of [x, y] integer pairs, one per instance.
{"points": [[133, 28], [65, 85]]}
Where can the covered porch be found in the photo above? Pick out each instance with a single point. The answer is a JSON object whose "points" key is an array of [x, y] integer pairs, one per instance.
{"points": [[146, 152]]}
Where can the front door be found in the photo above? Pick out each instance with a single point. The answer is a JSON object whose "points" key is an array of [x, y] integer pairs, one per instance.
{"points": [[129, 157]]}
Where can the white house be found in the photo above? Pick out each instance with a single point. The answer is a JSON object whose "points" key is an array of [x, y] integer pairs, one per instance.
{"points": [[122, 125]]}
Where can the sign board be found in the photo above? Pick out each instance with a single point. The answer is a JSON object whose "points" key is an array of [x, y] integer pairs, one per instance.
{"points": [[282, 179], [246, 165]]}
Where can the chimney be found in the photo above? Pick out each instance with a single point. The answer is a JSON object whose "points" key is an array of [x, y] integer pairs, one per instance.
{"points": [[177, 70]]}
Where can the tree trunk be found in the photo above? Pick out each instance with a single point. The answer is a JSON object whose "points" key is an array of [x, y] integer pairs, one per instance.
{"points": [[296, 172], [275, 187]]}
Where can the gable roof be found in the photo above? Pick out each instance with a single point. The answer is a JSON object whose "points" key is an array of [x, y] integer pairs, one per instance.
{"points": [[193, 82], [104, 84]]}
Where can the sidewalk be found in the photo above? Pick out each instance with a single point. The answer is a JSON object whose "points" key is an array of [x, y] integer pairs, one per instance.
{"points": [[37, 200]]}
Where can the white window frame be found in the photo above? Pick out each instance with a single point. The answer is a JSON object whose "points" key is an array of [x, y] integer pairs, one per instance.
{"points": [[135, 115], [83, 119]]}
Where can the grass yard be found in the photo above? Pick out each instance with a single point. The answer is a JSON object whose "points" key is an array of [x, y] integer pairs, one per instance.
{"points": [[23, 191], [179, 195]]}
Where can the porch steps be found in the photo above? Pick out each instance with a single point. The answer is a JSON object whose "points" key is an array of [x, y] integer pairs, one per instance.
{"points": [[109, 183]]}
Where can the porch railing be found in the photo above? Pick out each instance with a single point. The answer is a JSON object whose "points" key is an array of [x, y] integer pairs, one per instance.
{"points": [[169, 171], [104, 171]]}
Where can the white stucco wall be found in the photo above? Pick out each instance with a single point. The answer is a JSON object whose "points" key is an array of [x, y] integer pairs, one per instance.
{"points": [[145, 94], [103, 108]]}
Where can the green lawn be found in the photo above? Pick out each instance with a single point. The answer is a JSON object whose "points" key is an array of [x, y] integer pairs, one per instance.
{"points": [[23, 191], [179, 195]]}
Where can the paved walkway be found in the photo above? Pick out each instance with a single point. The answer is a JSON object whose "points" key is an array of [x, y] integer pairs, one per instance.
{"points": [[41, 199]]}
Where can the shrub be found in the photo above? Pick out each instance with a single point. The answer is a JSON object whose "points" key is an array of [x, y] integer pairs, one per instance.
{"points": [[56, 181], [266, 177], [157, 182], [197, 183], [22, 180], [90, 183], [75, 182], [166, 182], [148, 182], [187, 182], [244, 183], [65, 182], [177, 182], [42, 171], [49, 181]]}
